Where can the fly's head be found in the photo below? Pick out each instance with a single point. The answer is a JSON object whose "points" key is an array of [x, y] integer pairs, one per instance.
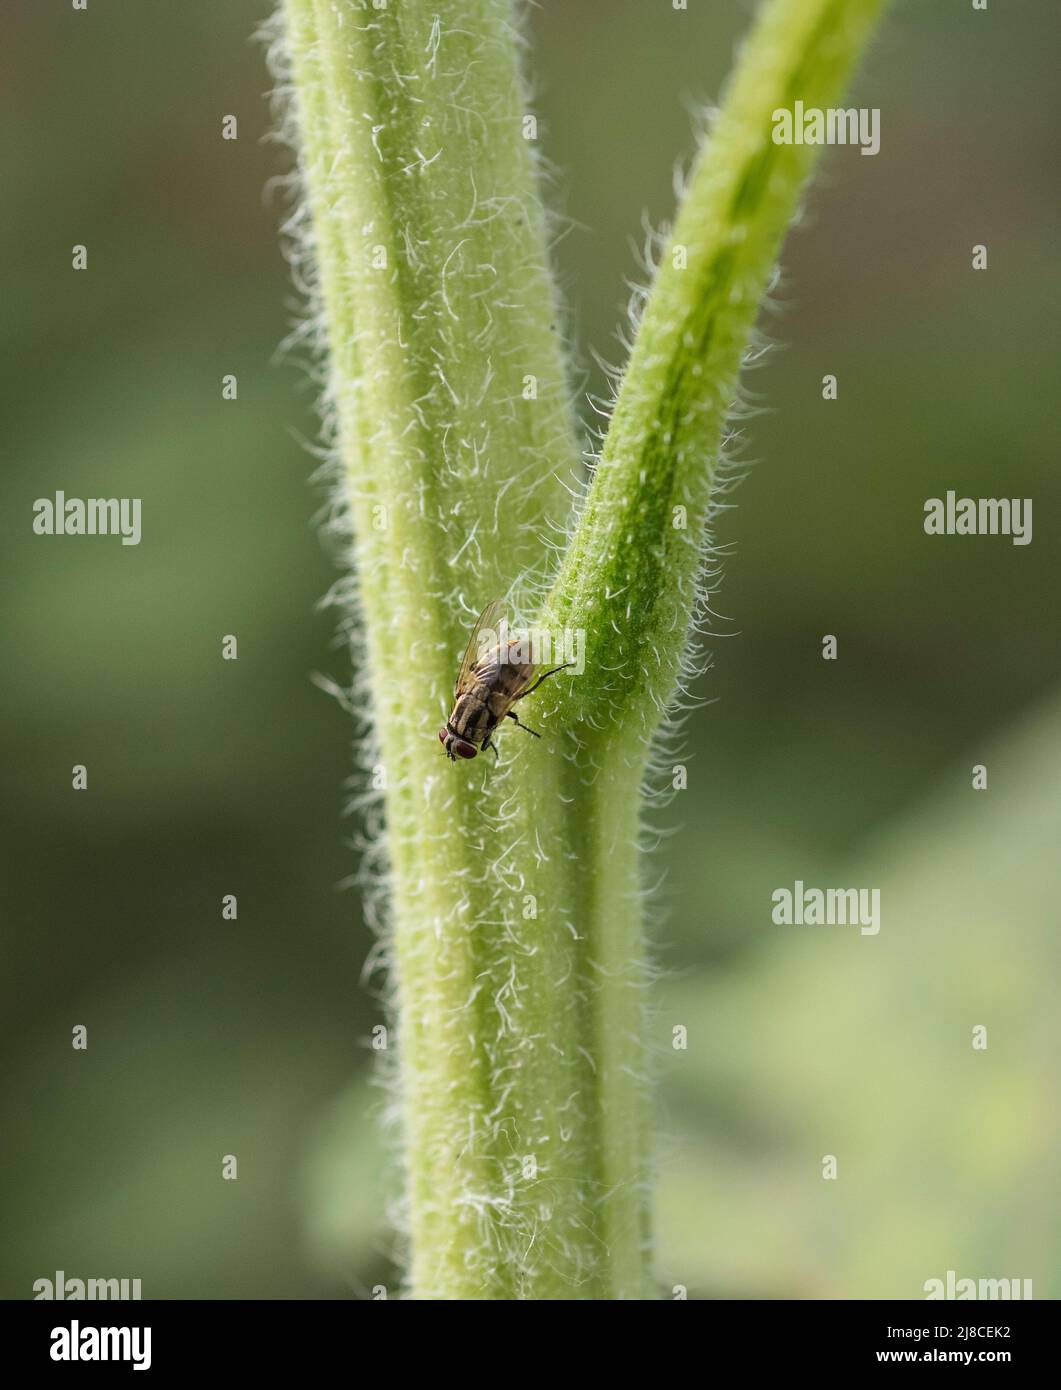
{"points": [[456, 747]]}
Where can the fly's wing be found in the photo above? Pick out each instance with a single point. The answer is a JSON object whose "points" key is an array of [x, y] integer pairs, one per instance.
{"points": [[488, 621]]}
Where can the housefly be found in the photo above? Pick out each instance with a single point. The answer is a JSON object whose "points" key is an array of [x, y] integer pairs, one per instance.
{"points": [[491, 680]]}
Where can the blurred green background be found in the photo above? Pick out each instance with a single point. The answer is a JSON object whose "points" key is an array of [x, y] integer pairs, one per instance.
{"points": [[206, 777]]}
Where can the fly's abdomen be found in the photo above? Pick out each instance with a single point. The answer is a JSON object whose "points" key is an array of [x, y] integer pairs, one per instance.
{"points": [[510, 680]]}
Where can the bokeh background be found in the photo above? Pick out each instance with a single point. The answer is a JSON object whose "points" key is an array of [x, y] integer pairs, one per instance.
{"points": [[206, 777]]}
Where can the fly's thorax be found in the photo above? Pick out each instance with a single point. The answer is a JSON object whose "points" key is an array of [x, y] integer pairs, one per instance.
{"points": [[472, 718]]}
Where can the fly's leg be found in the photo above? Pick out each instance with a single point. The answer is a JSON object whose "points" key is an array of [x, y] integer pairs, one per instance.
{"points": [[511, 715], [536, 685], [493, 749]]}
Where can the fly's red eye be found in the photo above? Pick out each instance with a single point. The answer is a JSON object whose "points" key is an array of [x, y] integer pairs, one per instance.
{"points": [[443, 734], [465, 750]]}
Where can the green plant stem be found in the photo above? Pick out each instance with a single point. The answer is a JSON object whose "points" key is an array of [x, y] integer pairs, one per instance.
{"points": [[514, 890], [630, 574]]}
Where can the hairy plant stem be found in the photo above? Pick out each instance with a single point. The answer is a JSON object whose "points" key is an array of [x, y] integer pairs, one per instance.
{"points": [[514, 889]]}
